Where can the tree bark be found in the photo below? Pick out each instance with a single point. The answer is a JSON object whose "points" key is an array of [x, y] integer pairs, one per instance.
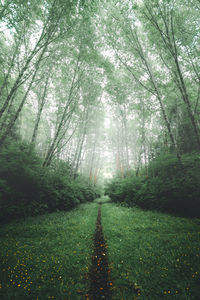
{"points": [[154, 90], [41, 106], [15, 117], [63, 120], [169, 41]]}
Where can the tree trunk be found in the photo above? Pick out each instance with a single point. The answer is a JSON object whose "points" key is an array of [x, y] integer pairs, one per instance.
{"points": [[4, 83], [15, 117], [154, 91], [169, 41], [43, 100], [63, 120]]}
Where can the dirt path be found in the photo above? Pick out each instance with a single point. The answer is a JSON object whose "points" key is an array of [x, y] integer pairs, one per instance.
{"points": [[100, 279]]}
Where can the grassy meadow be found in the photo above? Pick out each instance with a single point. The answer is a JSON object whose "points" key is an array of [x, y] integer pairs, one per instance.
{"points": [[49, 256], [152, 255]]}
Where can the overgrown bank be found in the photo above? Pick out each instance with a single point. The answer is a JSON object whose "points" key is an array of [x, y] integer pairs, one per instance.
{"points": [[166, 185], [27, 188]]}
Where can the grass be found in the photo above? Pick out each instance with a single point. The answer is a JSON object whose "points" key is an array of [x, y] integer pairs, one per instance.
{"points": [[48, 257], [152, 255]]}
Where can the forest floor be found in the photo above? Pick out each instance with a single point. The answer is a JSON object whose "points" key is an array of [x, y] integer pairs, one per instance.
{"points": [[152, 255], [149, 255], [49, 256]]}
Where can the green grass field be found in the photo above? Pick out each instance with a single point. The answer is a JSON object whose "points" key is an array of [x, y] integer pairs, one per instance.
{"points": [[152, 255], [48, 257]]}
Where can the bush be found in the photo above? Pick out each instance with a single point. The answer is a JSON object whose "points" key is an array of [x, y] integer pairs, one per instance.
{"points": [[19, 185], [86, 190], [26, 188], [170, 186]]}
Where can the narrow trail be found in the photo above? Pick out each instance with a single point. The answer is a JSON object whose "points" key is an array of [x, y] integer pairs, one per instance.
{"points": [[100, 272]]}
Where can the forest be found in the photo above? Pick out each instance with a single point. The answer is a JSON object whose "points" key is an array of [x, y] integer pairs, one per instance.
{"points": [[100, 149]]}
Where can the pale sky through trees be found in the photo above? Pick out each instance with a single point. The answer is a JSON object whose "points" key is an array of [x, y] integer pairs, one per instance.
{"points": [[121, 80]]}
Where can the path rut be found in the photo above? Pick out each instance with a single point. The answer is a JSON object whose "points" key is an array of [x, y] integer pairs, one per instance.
{"points": [[100, 272]]}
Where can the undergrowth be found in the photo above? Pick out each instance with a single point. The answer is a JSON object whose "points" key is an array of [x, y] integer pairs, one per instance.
{"points": [[165, 185], [27, 188]]}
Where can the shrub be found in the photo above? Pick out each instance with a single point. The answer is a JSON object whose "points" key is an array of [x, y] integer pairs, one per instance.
{"points": [[170, 186], [26, 188], [19, 179]]}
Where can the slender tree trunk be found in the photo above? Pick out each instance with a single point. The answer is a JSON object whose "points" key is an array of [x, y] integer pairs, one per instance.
{"points": [[82, 139], [41, 106], [80, 150], [126, 138], [154, 90], [17, 82], [5, 81], [39, 46], [92, 159], [63, 120], [185, 97], [119, 159], [15, 117], [169, 41]]}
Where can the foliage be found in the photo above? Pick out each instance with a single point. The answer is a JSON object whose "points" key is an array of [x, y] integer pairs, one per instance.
{"points": [[27, 188], [99, 87], [85, 190], [170, 186]]}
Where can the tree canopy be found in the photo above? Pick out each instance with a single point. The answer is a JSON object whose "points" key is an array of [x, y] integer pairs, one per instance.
{"points": [[103, 86]]}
